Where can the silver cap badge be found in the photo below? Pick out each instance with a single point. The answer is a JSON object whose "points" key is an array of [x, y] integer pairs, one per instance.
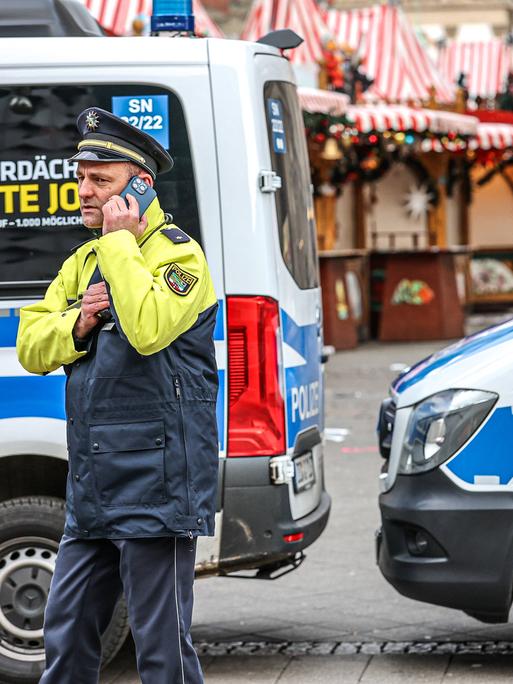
{"points": [[92, 120]]}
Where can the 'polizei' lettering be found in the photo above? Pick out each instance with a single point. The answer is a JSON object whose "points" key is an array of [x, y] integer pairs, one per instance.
{"points": [[305, 401]]}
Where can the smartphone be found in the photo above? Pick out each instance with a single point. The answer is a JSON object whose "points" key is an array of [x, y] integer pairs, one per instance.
{"points": [[143, 193]]}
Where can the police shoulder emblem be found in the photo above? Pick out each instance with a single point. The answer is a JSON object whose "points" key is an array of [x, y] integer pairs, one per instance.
{"points": [[92, 120], [179, 281]]}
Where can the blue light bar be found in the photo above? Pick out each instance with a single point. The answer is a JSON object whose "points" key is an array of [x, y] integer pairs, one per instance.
{"points": [[172, 15]]}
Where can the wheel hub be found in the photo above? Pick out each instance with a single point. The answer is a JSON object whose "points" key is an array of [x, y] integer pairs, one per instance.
{"points": [[26, 571], [30, 600]]}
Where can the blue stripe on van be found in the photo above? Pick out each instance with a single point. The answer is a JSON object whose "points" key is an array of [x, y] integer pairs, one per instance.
{"points": [[468, 346], [302, 338], [9, 321], [219, 329], [220, 409], [32, 396], [489, 452], [303, 383]]}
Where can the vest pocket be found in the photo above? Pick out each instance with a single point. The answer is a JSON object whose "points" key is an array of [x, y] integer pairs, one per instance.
{"points": [[128, 463]]}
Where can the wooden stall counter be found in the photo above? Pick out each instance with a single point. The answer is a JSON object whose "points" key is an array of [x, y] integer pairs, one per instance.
{"points": [[419, 295], [345, 298]]}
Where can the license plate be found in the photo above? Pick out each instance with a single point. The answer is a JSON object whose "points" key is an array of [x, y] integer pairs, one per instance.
{"points": [[304, 472]]}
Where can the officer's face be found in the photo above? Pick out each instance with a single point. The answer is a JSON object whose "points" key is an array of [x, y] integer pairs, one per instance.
{"points": [[97, 182]]}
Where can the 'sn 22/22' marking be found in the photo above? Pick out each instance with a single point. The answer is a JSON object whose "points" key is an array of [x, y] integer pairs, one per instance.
{"points": [[305, 402], [145, 121]]}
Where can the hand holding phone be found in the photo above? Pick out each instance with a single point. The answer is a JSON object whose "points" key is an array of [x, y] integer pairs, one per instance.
{"points": [[126, 210]]}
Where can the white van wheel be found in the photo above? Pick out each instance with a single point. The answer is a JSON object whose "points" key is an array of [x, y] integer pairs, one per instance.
{"points": [[30, 530]]}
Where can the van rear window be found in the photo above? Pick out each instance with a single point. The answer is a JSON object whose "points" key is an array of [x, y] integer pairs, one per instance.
{"points": [[294, 206], [39, 210]]}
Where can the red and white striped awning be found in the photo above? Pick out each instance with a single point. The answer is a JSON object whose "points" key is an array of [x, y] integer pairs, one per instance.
{"points": [[367, 118], [391, 54], [204, 25], [318, 101], [493, 136], [485, 65], [301, 16], [399, 118], [117, 16]]}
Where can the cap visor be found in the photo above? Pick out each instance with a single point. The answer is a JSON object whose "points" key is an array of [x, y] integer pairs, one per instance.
{"points": [[89, 155]]}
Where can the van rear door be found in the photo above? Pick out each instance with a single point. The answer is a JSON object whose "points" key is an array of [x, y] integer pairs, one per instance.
{"points": [[289, 211]]}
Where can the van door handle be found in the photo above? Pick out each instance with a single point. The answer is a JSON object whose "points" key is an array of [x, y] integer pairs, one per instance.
{"points": [[269, 181], [327, 352]]}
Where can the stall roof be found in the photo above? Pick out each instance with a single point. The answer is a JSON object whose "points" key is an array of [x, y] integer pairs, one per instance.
{"points": [[484, 63], [493, 136], [391, 53], [302, 16], [116, 16], [316, 101], [398, 118]]}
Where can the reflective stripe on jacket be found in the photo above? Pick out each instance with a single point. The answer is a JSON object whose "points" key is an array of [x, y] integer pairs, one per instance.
{"points": [[140, 401]]}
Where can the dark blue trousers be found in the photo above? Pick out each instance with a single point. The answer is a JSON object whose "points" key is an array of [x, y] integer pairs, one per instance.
{"points": [[157, 577]]}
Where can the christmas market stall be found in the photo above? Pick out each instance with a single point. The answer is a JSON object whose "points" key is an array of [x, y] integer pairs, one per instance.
{"points": [[399, 177], [400, 198]]}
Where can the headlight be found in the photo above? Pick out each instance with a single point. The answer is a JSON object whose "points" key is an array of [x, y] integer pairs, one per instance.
{"points": [[440, 425]]}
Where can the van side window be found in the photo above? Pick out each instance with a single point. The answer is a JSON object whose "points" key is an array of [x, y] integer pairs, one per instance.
{"points": [[294, 205], [39, 206]]}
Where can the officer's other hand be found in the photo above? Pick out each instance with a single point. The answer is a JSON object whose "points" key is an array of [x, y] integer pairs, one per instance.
{"points": [[118, 216], [94, 299]]}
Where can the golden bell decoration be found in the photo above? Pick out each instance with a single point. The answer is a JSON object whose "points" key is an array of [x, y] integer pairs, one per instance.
{"points": [[138, 26], [331, 151]]}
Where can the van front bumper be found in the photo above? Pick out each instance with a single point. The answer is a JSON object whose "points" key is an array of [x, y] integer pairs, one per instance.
{"points": [[257, 517], [448, 546]]}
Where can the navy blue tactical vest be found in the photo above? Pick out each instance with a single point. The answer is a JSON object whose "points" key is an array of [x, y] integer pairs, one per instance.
{"points": [[142, 436]]}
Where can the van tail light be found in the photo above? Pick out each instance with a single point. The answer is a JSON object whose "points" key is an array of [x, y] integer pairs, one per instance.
{"points": [[256, 410]]}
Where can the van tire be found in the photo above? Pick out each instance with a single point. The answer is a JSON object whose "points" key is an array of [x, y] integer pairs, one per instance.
{"points": [[31, 527]]}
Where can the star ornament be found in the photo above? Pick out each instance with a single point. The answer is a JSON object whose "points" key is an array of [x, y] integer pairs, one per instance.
{"points": [[418, 201], [92, 120]]}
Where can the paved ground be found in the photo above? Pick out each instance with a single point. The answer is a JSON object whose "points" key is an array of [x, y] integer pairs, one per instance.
{"points": [[350, 669], [338, 596]]}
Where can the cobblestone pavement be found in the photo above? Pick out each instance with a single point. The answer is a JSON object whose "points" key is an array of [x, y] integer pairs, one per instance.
{"points": [[349, 668], [335, 619]]}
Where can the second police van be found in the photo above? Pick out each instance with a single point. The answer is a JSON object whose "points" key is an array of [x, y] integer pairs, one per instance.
{"points": [[229, 114], [446, 434]]}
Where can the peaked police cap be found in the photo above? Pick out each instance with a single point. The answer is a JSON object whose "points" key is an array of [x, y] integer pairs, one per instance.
{"points": [[107, 138]]}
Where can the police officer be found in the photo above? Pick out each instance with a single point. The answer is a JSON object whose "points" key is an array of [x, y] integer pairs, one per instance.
{"points": [[130, 316]]}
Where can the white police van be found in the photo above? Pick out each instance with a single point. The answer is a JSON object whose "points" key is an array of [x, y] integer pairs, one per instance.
{"points": [[228, 112], [446, 501]]}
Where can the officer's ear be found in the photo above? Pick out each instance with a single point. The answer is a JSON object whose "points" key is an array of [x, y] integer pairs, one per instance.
{"points": [[146, 177], [136, 170]]}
